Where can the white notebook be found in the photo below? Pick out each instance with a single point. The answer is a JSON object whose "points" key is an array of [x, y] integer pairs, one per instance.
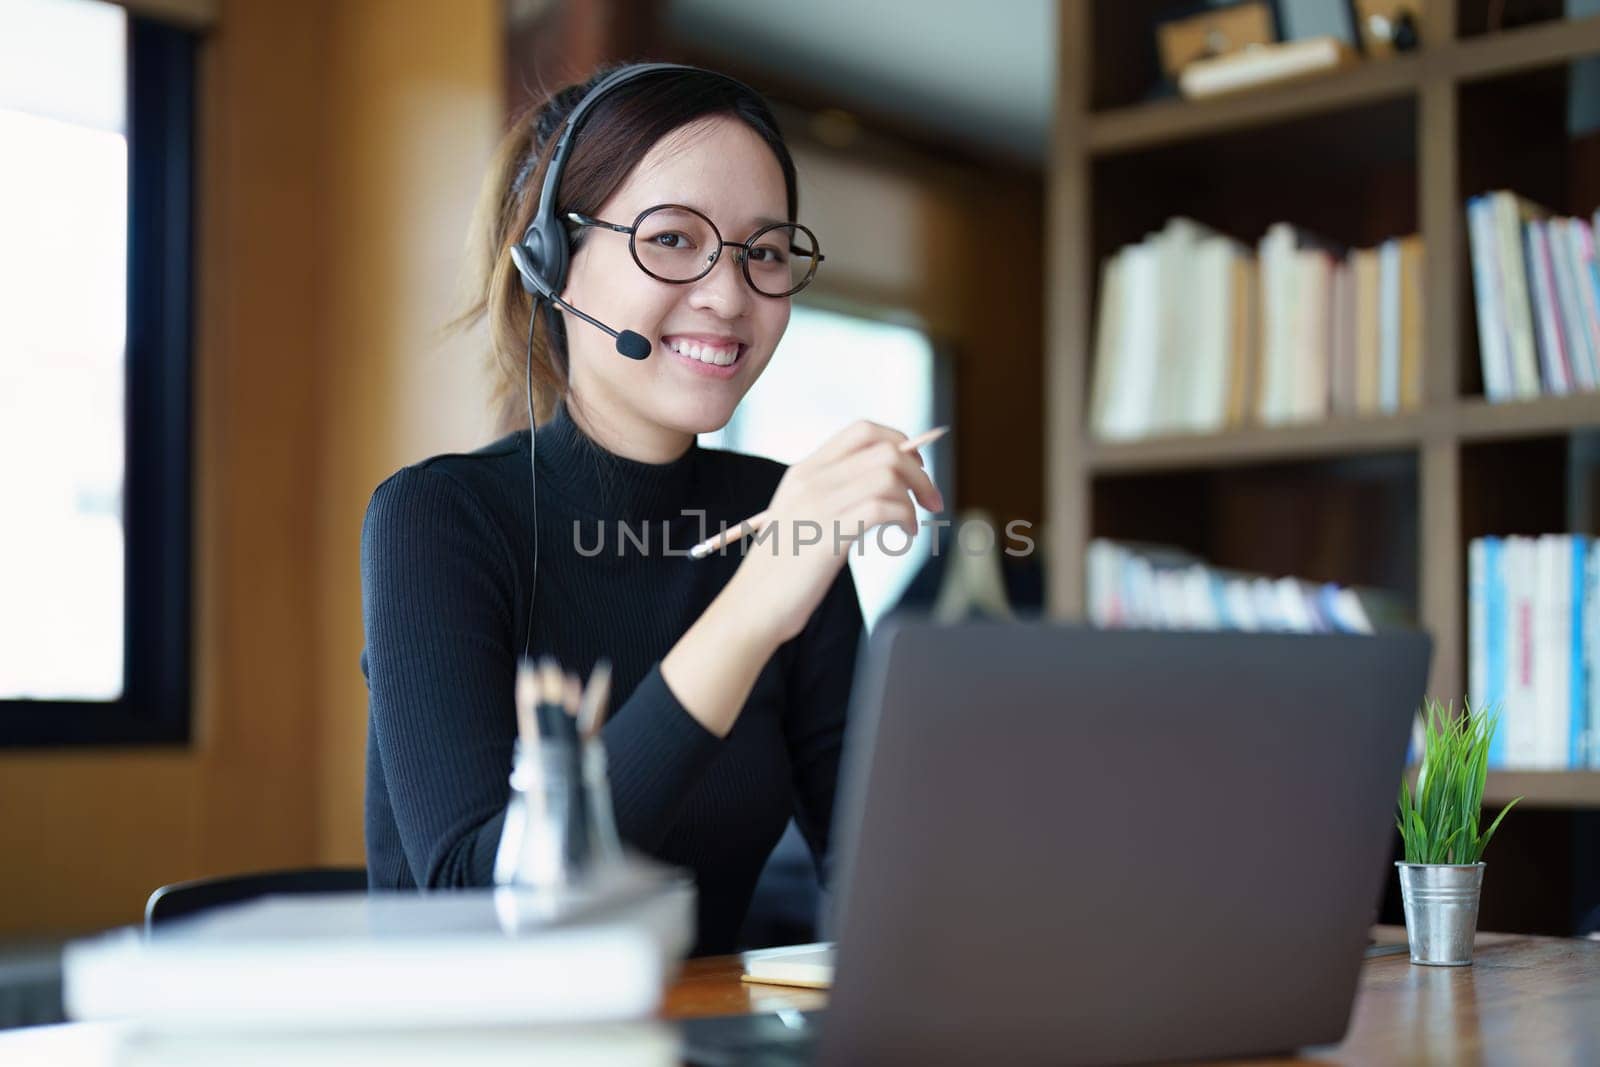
{"points": [[402, 960], [798, 965]]}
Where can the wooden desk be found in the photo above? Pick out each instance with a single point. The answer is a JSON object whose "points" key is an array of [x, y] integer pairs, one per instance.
{"points": [[1524, 999]]}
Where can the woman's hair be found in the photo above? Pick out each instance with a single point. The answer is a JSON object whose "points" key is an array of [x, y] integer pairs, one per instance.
{"points": [[619, 130]]}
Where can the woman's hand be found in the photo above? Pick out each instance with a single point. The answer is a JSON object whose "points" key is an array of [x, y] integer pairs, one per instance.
{"points": [[859, 479]]}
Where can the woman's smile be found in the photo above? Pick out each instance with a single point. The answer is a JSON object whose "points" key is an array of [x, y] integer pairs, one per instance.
{"points": [[714, 357]]}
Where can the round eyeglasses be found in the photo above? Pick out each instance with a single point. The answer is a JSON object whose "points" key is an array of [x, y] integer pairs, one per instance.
{"points": [[677, 244]]}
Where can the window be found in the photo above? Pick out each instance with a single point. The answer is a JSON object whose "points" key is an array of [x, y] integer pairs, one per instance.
{"points": [[829, 370], [96, 129]]}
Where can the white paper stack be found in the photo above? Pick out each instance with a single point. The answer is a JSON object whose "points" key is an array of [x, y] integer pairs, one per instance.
{"points": [[387, 961]]}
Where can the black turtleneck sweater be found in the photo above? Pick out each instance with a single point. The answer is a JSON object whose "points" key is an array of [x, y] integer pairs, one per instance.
{"points": [[447, 555]]}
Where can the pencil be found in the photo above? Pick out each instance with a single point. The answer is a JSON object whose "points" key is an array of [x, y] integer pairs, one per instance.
{"points": [[759, 520], [527, 698], [592, 713]]}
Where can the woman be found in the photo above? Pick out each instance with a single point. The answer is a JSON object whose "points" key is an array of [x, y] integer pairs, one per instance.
{"points": [[733, 672]]}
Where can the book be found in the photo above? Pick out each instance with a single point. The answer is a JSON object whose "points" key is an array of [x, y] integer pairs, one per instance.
{"points": [[1578, 712], [1342, 343], [1571, 306], [1278, 298], [1521, 697], [810, 966], [1494, 352], [1536, 288], [1196, 332], [1411, 318], [1153, 586], [1586, 296], [1368, 339], [391, 960], [1555, 361], [1245, 360], [1203, 401], [1106, 402], [1508, 211], [1310, 351], [1263, 65], [1389, 327], [1532, 628], [1495, 650]]}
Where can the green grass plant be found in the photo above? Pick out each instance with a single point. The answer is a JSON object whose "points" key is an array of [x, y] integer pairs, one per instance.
{"points": [[1439, 822]]}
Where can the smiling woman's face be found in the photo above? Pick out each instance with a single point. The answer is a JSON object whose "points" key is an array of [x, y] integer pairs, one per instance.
{"points": [[722, 168]]}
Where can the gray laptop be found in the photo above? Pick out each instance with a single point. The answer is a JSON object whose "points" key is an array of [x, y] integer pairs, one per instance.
{"points": [[1061, 845]]}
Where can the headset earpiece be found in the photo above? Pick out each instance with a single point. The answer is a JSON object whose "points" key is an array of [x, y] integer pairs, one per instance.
{"points": [[541, 261]]}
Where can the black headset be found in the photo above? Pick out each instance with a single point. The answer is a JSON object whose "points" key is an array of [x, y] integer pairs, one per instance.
{"points": [[543, 254]]}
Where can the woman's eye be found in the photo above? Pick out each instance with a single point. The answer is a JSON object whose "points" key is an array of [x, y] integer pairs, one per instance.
{"points": [[766, 254], [671, 239]]}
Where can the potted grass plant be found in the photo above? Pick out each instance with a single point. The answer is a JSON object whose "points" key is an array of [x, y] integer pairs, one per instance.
{"points": [[1441, 877]]}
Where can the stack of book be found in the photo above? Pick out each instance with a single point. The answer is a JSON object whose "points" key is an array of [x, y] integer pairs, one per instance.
{"points": [[1196, 334], [1537, 289], [1155, 587], [1533, 616]]}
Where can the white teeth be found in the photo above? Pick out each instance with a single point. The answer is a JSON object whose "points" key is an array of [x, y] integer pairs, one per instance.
{"points": [[720, 357]]}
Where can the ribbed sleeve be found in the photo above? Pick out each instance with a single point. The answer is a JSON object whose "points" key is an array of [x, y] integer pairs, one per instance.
{"points": [[819, 696], [436, 589], [656, 752]]}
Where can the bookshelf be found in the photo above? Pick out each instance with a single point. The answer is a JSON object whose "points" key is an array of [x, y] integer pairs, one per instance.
{"points": [[1384, 148]]}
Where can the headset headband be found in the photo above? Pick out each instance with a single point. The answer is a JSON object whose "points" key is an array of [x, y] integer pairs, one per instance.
{"points": [[614, 80]]}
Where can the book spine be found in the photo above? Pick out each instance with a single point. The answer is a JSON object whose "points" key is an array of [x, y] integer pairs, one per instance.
{"points": [[1495, 643], [1520, 698], [1557, 701], [1578, 689], [1514, 276], [1411, 300], [1569, 305], [1591, 650], [1587, 281], [1491, 339], [1104, 400], [1551, 350], [1477, 624], [1389, 327]]}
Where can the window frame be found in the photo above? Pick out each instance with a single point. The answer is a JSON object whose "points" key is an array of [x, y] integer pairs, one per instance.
{"points": [[155, 705]]}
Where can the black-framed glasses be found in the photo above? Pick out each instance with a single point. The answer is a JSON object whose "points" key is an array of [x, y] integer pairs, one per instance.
{"points": [[678, 244]]}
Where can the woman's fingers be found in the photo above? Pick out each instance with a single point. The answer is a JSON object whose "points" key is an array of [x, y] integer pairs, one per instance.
{"points": [[882, 468], [851, 439]]}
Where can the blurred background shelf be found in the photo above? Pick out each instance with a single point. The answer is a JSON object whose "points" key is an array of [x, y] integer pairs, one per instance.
{"points": [[1477, 419], [1159, 122], [1166, 121], [1336, 437], [1518, 49], [1544, 789], [1360, 155], [1576, 789]]}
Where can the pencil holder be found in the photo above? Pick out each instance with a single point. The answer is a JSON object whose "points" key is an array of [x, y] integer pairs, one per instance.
{"points": [[547, 840], [604, 843]]}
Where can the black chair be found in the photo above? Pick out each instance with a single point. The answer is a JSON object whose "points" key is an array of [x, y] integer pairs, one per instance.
{"points": [[186, 898]]}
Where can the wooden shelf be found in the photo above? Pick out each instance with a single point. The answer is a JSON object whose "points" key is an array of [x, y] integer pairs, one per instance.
{"points": [[1168, 121], [1377, 149], [1164, 122], [1338, 437], [1479, 420], [1543, 789], [1538, 789], [1467, 420], [1545, 44]]}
